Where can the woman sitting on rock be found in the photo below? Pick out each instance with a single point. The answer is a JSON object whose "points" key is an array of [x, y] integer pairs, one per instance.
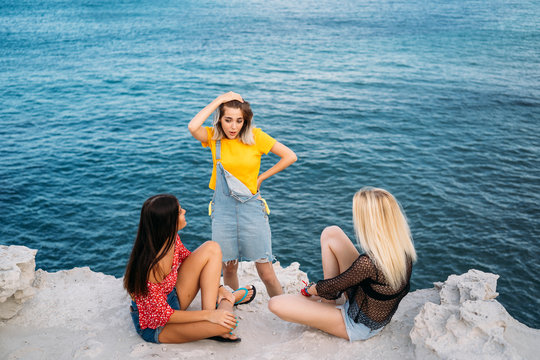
{"points": [[374, 283], [163, 278]]}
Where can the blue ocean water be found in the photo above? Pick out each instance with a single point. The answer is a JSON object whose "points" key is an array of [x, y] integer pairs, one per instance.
{"points": [[436, 101]]}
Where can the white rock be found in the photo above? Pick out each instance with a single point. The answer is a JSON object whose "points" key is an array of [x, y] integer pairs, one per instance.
{"points": [[468, 323], [17, 265], [79, 313]]}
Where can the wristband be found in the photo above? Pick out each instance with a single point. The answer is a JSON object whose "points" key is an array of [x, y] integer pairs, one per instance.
{"points": [[304, 291]]}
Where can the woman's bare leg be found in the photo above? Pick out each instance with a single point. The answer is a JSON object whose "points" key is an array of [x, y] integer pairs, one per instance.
{"points": [[337, 251], [301, 310], [230, 274], [268, 276], [230, 278], [200, 270], [181, 333]]}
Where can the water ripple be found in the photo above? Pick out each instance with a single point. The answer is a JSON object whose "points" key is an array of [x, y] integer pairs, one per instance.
{"points": [[436, 102]]}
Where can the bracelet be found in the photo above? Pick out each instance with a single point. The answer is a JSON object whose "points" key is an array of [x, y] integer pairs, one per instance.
{"points": [[304, 291]]}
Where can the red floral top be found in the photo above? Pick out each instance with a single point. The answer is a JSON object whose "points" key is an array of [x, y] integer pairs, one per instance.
{"points": [[154, 311]]}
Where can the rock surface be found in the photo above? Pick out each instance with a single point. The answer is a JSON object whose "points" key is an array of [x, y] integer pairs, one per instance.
{"points": [[469, 324], [17, 265], [80, 314]]}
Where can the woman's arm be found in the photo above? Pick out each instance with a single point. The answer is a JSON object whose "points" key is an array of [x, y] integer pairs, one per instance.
{"points": [[287, 158], [332, 288], [219, 317], [195, 125], [312, 290]]}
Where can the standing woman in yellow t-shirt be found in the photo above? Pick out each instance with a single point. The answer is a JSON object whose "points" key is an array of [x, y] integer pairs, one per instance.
{"points": [[239, 214]]}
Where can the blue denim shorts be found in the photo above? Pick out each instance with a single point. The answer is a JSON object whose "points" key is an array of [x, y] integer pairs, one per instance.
{"points": [[152, 335], [356, 331]]}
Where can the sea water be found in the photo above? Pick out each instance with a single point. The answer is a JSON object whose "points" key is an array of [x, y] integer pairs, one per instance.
{"points": [[436, 101]]}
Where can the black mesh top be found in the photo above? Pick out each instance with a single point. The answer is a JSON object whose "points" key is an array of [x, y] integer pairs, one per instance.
{"points": [[371, 301]]}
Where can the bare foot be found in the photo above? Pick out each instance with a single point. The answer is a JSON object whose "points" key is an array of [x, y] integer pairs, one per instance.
{"points": [[229, 336]]}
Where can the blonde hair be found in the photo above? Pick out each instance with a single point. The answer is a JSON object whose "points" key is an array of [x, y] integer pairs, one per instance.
{"points": [[246, 133], [383, 233]]}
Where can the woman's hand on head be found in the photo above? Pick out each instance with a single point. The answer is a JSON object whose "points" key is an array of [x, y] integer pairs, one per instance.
{"points": [[224, 318], [195, 126], [230, 96]]}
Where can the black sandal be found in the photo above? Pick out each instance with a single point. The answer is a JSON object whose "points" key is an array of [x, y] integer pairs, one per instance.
{"points": [[242, 301], [222, 339]]}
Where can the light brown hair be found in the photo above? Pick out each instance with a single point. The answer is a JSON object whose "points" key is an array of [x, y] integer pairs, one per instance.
{"points": [[246, 133]]}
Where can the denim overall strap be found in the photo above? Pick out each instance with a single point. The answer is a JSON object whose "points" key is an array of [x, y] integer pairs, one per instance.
{"points": [[221, 184], [235, 187], [218, 150]]}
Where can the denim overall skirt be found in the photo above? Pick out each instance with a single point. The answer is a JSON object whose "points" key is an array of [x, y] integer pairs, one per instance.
{"points": [[239, 218]]}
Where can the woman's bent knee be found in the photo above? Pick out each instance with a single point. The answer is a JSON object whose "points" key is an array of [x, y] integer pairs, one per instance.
{"points": [[274, 304], [283, 306], [212, 247], [330, 232]]}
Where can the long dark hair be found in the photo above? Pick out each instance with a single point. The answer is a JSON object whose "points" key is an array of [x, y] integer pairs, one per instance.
{"points": [[156, 235]]}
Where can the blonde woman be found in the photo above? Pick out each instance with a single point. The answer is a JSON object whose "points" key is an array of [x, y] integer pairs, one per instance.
{"points": [[374, 283]]}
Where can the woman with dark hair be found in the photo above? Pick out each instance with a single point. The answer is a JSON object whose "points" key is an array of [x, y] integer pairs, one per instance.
{"points": [[239, 213], [163, 277]]}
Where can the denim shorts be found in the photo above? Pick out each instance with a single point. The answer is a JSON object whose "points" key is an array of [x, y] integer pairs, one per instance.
{"points": [[148, 334], [356, 331]]}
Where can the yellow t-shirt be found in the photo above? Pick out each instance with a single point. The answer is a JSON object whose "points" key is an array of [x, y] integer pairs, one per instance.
{"points": [[241, 160]]}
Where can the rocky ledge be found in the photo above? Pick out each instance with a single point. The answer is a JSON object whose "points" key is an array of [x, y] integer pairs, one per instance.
{"points": [[84, 315]]}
